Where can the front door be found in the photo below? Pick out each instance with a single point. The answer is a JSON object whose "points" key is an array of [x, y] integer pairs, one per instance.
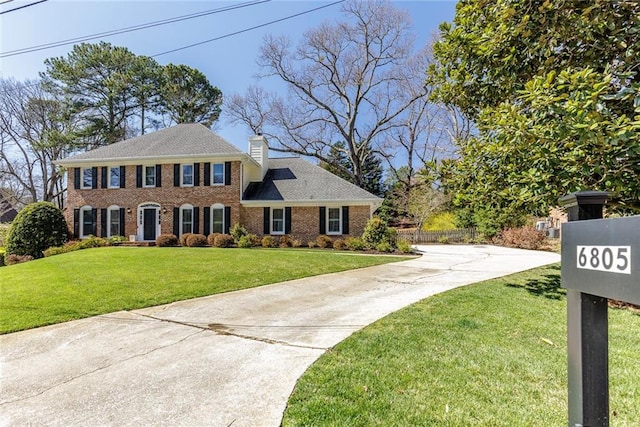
{"points": [[149, 222]]}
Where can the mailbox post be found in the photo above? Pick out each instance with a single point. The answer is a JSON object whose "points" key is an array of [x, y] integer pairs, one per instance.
{"points": [[587, 333]]}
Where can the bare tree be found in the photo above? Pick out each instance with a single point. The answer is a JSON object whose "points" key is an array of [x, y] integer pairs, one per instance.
{"points": [[343, 84], [34, 132]]}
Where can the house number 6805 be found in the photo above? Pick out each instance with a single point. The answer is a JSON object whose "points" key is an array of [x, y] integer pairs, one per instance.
{"points": [[612, 259]]}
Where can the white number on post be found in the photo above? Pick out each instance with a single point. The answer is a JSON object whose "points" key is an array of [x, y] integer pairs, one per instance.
{"points": [[612, 259]]}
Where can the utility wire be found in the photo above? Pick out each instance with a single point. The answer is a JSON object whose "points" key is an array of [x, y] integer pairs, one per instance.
{"points": [[21, 7], [247, 29], [127, 29]]}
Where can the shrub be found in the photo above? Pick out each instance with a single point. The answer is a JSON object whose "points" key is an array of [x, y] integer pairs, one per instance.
{"points": [[211, 239], [296, 243], [356, 244], [444, 240], [269, 242], [375, 232], [55, 250], [183, 239], [384, 247], [404, 246], [2, 253], [522, 237], [4, 230], [114, 240], [312, 244], [12, 259], [167, 240], [324, 242], [339, 244], [37, 226], [238, 231], [285, 241], [223, 241], [248, 241], [92, 242], [196, 240]]}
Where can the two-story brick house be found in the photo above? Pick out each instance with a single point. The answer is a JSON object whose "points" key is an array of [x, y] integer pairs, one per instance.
{"points": [[188, 179]]}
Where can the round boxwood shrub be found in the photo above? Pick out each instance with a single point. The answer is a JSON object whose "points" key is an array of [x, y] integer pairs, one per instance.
{"points": [[167, 240], [196, 240], [223, 241], [37, 227]]}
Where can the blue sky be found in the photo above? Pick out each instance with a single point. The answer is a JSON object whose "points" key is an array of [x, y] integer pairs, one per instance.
{"points": [[229, 63]]}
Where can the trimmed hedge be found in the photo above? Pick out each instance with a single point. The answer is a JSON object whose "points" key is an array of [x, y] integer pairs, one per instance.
{"points": [[37, 227]]}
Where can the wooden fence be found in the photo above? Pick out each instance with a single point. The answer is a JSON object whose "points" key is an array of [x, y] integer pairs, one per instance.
{"points": [[462, 235]]}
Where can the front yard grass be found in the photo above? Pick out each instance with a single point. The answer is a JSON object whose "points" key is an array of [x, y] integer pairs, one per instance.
{"points": [[489, 354], [103, 280]]}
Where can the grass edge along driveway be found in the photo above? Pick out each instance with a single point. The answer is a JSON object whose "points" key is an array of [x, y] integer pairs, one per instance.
{"points": [[103, 280], [488, 354]]}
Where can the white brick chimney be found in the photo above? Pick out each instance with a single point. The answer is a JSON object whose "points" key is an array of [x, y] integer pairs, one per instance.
{"points": [[259, 151]]}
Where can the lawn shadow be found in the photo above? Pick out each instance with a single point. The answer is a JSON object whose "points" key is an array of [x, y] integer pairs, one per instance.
{"points": [[548, 285]]}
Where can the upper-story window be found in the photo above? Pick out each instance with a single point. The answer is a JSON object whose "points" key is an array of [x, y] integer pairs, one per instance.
{"points": [[149, 176], [187, 175], [334, 221], [114, 177], [87, 178], [217, 173]]}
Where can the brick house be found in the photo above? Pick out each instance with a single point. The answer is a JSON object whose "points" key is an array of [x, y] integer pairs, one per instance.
{"points": [[188, 179]]}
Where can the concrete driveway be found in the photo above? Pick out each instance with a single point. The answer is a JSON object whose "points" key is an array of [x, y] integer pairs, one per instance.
{"points": [[230, 359]]}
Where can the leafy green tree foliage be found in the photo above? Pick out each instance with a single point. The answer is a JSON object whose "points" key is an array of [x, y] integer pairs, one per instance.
{"points": [[187, 96], [555, 92], [339, 164], [37, 227]]}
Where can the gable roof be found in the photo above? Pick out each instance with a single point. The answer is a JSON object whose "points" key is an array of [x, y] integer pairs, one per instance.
{"points": [[183, 140], [292, 179], [7, 211]]}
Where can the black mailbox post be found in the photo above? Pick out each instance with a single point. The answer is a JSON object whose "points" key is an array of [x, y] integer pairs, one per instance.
{"points": [[587, 333], [600, 260]]}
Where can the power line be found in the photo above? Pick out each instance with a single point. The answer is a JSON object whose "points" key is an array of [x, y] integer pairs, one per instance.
{"points": [[127, 29], [247, 29], [21, 7]]}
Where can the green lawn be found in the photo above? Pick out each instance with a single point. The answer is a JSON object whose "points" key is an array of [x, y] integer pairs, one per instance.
{"points": [[103, 280], [489, 354]]}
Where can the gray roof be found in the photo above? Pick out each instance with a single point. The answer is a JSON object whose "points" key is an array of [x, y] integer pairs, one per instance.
{"points": [[186, 139], [293, 179]]}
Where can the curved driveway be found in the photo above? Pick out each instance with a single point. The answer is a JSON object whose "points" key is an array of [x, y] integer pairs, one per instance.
{"points": [[230, 359]]}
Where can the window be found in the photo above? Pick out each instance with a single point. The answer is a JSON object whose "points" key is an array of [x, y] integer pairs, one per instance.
{"points": [[114, 177], [277, 221], [217, 219], [334, 221], [149, 176], [113, 215], [217, 172], [87, 178], [187, 175], [87, 224], [186, 219]]}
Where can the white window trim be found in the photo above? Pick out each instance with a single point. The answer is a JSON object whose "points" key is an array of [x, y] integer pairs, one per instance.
{"points": [[182, 208], [109, 185], [84, 209], [193, 174], [144, 176], [339, 232], [109, 217], [218, 206], [82, 172], [284, 221], [213, 174]]}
